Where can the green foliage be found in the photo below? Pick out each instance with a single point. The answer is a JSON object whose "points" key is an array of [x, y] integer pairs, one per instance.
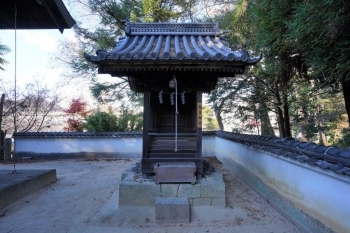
{"points": [[3, 50], [157, 11], [322, 28], [301, 41], [257, 26], [344, 142], [112, 92], [100, 121], [129, 120], [209, 121], [305, 45]]}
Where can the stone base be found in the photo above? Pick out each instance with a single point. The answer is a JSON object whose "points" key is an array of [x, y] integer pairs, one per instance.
{"points": [[15, 186], [136, 191], [172, 210]]}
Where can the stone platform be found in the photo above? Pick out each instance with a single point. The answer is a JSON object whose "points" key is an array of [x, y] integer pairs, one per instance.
{"points": [[136, 191], [14, 186]]}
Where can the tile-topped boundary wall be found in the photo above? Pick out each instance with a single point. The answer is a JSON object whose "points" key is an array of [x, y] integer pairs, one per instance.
{"points": [[88, 145], [306, 182], [294, 177]]}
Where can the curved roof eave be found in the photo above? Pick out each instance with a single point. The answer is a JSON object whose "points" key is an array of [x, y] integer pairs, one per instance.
{"points": [[185, 43]]}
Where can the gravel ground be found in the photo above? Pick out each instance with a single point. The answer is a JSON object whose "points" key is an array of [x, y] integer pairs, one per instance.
{"points": [[85, 199]]}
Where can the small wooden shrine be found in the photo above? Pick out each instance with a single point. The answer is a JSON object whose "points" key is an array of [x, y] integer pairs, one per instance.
{"points": [[172, 64]]}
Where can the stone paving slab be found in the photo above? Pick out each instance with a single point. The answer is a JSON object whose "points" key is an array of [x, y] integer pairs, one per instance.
{"points": [[14, 186]]}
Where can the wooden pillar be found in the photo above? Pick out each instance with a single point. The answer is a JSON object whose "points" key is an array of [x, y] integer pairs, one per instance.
{"points": [[146, 111], [199, 130], [8, 148]]}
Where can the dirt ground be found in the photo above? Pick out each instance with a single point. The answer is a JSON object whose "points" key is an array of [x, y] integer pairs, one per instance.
{"points": [[85, 199]]}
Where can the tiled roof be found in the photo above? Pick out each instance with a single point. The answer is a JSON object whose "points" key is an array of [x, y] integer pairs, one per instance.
{"points": [[97, 134], [186, 46], [35, 14]]}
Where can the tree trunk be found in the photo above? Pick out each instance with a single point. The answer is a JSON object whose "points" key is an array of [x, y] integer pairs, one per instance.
{"points": [[266, 127], [280, 120], [286, 116], [218, 116], [280, 117], [323, 138], [303, 124], [303, 131], [346, 94], [219, 120]]}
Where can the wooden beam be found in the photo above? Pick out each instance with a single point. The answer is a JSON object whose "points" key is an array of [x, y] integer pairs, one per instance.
{"points": [[146, 111], [199, 129]]}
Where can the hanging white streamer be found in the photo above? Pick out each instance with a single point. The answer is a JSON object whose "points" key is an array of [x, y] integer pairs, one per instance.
{"points": [[160, 97], [176, 112]]}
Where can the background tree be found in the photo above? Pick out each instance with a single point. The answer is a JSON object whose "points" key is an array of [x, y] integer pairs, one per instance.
{"points": [[301, 57], [129, 120], [305, 45], [35, 108], [322, 30], [225, 98], [3, 50], [209, 121], [76, 111], [100, 121], [109, 23]]}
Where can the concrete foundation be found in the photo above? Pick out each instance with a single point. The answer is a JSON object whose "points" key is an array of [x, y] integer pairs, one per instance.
{"points": [[172, 210], [136, 191], [14, 186]]}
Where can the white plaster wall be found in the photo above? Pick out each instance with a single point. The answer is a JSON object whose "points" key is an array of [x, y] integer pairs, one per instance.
{"points": [[76, 145], [321, 193], [98, 145], [208, 146]]}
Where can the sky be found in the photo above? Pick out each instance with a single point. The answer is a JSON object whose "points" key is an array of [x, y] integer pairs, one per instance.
{"points": [[35, 48]]}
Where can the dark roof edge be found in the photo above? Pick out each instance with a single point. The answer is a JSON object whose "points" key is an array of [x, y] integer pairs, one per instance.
{"points": [[77, 135], [91, 134], [65, 13]]}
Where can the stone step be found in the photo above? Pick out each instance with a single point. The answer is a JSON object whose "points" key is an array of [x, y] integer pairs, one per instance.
{"points": [[172, 210]]}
